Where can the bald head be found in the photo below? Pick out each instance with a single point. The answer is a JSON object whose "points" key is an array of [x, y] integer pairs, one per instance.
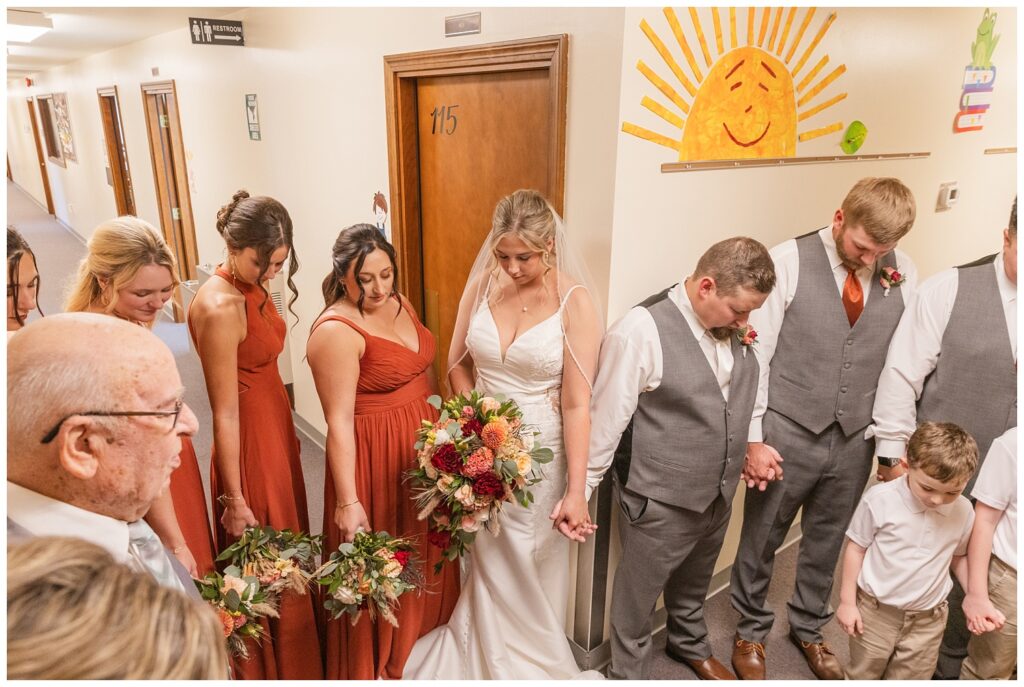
{"points": [[83, 363]]}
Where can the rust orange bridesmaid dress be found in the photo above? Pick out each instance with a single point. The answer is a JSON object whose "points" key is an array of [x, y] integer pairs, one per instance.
{"points": [[273, 487], [391, 400], [190, 508]]}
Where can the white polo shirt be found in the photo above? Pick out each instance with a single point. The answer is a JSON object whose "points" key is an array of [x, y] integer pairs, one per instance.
{"points": [[909, 546], [997, 487]]}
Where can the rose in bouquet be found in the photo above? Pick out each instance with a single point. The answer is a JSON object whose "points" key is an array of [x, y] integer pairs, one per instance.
{"points": [[369, 573], [239, 602], [475, 458], [281, 560]]}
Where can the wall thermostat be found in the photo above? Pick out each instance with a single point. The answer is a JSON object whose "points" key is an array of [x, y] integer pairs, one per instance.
{"points": [[948, 195]]}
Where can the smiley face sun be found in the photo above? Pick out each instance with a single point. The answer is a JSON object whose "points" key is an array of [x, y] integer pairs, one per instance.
{"points": [[750, 103]]}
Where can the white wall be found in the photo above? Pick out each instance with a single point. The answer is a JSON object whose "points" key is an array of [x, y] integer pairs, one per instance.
{"points": [[21, 151]]}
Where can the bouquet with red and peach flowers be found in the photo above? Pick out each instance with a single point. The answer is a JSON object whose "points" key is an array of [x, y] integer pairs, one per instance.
{"points": [[239, 602], [369, 573], [474, 459]]}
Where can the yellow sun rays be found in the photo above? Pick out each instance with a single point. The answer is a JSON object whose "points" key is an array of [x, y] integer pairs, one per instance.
{"points": [[769, 33]]}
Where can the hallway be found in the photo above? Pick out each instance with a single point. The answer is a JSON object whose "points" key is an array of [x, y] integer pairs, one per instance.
{"points": [[58, 252]]}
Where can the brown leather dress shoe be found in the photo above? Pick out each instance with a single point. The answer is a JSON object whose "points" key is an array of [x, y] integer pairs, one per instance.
{"points": [[748, 659], [708, 669], [820, 658]]}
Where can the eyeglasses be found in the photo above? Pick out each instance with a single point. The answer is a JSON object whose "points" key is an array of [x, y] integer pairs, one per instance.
{"points": [[178, 405]]}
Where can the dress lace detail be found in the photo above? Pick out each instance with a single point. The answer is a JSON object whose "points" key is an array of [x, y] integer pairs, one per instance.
{"points": [[509, 622]]}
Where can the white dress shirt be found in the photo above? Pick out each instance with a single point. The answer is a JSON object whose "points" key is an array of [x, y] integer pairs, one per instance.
{"points": [[997, 488], [632, 364], [46, 517], [767, 320], [909, 546], [914, 353]]}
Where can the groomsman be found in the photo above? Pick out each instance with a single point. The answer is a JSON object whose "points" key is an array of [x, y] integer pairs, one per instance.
{"points": [[824, 332], [94, 426], [953, 359], [670, 412]]}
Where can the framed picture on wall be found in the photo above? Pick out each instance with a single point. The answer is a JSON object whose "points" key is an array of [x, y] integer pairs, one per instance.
{"points": [[47, 123], [62, 118]]}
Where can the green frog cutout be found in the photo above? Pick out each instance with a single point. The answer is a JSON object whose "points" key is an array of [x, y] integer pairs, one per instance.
{"points": [[985, 45]]}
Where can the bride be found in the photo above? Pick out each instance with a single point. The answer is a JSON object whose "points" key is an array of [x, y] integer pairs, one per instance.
{"points": [[529, 328]]}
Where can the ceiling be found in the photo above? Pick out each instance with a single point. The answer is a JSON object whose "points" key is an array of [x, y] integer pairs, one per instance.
{"points": [[81, 31]]}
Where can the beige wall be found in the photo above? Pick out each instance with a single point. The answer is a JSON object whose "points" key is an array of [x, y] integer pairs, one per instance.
{"points": [[318, 74], [21, 150]]}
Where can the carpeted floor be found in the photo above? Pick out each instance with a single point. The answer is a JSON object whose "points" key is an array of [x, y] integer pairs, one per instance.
{"points": [[58, 252]]}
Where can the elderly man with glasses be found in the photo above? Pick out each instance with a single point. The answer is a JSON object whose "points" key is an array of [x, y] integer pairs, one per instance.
{"points": [[94, 426]]}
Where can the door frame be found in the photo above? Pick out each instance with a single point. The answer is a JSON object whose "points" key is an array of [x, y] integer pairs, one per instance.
{"points": [[400, 74], [124, 192], [39, 154]]}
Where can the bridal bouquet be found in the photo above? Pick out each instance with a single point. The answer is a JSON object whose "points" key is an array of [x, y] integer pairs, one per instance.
{"points": [[239, 602], [281, 560], [371, 573], [475, 458]]}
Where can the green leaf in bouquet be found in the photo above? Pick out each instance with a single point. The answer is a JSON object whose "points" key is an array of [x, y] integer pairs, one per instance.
{"points": [[452, 427], [346, 548], [529, 496], [232, 600], [542, 455], [289, 553], [510, 468], [233, 570], [444, 416], [468, 538], [435, 401]]}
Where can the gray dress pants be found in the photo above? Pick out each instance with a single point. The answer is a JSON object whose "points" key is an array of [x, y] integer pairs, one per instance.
{"points": [[825, 474], [670, 549]]}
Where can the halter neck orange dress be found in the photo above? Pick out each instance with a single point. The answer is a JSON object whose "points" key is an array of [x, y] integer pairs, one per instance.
{"points": [[273, 487], [391, 400]]}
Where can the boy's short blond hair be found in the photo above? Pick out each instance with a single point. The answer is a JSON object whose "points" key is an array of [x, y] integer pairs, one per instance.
{"points": [[883, 206], [943, 451]]}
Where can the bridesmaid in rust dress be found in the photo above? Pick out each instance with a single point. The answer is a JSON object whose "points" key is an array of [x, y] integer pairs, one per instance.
{"points": [[129, 272], [256, 472], [372, 365]]}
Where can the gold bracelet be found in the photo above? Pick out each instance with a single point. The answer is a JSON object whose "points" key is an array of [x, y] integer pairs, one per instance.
{"points": [[224, 497], [178, 549], [343, 506]]}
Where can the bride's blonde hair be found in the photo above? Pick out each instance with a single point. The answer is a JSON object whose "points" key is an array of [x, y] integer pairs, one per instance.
{"points": [[526, 215]]}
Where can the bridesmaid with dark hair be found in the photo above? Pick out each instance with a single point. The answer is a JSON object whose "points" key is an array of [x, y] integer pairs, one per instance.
{"points": [[372, 363], [256, 472], [22, 281]]}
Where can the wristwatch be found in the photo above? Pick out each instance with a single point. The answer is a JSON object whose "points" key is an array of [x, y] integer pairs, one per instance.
{"points": [[888, 462]]}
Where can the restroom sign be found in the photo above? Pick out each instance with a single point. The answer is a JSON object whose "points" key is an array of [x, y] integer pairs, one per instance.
{"points": [[215, 31]]}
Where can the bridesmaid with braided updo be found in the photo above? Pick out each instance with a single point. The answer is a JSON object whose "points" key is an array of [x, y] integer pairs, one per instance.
{"points": [[256, 472]]}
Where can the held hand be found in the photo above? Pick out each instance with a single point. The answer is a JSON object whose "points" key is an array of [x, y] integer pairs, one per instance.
{"points": [[762, 465], [572, 518], [887, 474], [185, 557], [350, 520], [982, 616], [849, 619], [237, 516]]}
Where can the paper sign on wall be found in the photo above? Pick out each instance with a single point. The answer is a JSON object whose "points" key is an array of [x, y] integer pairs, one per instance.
{"points": [[252, 116], [979, 78]]}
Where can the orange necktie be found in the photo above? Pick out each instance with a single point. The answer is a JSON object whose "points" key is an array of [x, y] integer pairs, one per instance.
{"points": [[853, 297]]}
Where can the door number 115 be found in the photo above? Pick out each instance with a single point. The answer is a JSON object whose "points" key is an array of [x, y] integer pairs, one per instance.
{"points": [[444, 121]]}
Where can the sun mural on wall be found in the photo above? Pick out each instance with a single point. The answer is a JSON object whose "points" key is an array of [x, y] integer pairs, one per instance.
{"points": [[755, 95]]}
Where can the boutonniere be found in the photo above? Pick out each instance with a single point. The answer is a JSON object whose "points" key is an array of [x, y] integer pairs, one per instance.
{"points": [[889, 278], [747, 336]]}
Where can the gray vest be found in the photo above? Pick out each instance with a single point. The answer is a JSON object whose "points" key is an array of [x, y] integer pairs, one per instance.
{"points": [[823, 370], [974, 383], [685, 444]]}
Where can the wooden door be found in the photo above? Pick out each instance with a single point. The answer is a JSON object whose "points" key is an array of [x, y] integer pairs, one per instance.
{"points": [[482, 136], [117, 153], [40, 156], [170, 175], [471, 126]]}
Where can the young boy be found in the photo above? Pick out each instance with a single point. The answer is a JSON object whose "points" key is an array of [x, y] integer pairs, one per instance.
{"points": [[901, 544], [991, 602]]}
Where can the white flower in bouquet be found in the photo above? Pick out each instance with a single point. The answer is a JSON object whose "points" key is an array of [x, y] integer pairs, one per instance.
{"points": [[489, 405], [524, 463], [235, 583], [392, 569], [441, 436], [526, 438], [464, 495], [345, 595]]}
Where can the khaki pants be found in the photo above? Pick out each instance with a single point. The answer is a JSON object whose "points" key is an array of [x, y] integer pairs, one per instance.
{"points": [[895, 644], [993, 655]]}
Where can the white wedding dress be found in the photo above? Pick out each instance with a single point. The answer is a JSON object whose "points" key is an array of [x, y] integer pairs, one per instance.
{"points": [[510, 618]]}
